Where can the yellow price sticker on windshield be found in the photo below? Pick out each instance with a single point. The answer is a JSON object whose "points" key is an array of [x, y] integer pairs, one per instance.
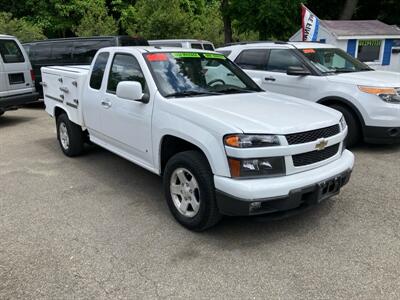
{"points": [[185, 55], [212, 55]]}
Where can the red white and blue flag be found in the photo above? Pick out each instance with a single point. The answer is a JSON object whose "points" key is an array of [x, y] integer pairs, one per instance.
{"points": [[309, 25]]}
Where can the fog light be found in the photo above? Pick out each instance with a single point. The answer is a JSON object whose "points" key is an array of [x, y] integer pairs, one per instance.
{"points": [[254, 206]]}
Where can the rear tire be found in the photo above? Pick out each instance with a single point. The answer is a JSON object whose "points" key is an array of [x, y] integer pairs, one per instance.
{"points": [[353, 126], [70, 136], [189, 191]]}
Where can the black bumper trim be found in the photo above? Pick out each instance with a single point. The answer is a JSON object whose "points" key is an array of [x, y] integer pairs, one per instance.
{"points": [[381, 135], [15, 101], [297, 199]]}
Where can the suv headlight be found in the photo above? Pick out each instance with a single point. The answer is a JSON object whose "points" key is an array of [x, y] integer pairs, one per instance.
{"points": [[257, 167], [343, 123], [251, 140], [388, 95]]}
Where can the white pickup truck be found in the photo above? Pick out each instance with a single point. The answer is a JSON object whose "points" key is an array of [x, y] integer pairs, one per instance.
{"points": [[222, 145]]}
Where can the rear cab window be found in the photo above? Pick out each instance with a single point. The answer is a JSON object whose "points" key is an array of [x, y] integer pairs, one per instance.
{"points": [[10, 52]]}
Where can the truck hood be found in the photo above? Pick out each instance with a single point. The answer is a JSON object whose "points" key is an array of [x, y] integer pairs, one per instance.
{"points": [[370, 78], [263, 112]]}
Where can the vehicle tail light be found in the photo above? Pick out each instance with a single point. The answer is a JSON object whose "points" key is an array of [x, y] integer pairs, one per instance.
{"points": [[33, 75]]}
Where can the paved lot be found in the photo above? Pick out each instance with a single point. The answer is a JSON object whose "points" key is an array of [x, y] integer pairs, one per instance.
{"points": [[98, 227]]}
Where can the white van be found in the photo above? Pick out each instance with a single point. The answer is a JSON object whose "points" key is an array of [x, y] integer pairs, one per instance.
{"points": [[187, 43], [16, 76]]}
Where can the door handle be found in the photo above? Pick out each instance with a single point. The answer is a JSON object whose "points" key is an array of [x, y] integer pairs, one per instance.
{"points": [[106, 104], [269, 78]]}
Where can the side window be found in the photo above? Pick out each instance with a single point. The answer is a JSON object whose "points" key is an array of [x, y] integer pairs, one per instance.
{"points": [[10, 52], [84, 51], [125, 67], [41, 52], [196, 46], [98, 70], [208, 47], [61, 52], [281, 59], [253, 59]]}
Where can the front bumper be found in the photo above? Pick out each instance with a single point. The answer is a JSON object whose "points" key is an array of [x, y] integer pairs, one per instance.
{"points": [[381, 135], [270, 195], [14, 101]]}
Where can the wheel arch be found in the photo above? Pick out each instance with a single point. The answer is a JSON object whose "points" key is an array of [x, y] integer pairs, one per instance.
{"points": [[171, 145], [327, 101], [58, 111]]}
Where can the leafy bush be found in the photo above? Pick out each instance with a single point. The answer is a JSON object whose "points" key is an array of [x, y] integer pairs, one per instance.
{"points": [[24, 30]]}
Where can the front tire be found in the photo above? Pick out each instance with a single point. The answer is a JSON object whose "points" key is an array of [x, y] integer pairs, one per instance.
{"points": [[70, 136], [189, 191], [353, 126]]}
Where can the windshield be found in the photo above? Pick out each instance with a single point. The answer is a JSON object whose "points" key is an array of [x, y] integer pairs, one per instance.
{"points": [[334, 60], [183, 74]]}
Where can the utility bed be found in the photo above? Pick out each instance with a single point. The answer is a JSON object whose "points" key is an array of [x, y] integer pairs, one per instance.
{"points": [[64, 86]]}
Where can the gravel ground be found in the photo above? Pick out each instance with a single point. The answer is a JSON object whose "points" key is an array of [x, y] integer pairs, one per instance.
{"points": [[97, 227]]}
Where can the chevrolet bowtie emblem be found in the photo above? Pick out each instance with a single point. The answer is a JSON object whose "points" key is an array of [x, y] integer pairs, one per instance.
{"points": [[321, 145]]}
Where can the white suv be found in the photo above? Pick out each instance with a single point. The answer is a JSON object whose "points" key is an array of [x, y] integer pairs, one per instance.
{"points": [[369, 99], [16, 76]]}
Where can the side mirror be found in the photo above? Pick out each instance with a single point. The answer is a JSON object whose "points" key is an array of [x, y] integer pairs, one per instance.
{"points": [[298, 71], [131, 90], [258, 81]]}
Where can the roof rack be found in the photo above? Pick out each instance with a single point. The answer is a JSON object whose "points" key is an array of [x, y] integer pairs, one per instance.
{"points": [[254, 42]]}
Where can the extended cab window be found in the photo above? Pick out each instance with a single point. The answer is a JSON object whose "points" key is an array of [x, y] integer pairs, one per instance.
{"points": [[98, 70], [281, 59], [125, 67], [253, 59], [10, 52]]}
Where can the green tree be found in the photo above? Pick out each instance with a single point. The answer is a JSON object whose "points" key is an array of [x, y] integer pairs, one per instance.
{"points": [[97, 22], [272, 19], [24, 30], [157, 19]]}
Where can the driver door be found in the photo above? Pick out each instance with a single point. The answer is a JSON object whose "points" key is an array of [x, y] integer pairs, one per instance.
{"points": [[127, 123]]}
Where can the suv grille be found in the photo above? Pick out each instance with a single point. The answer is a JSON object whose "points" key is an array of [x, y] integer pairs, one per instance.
{"points": [[312, 157], [312, 135]]}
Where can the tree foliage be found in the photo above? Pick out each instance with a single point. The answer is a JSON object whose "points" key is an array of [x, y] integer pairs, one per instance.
{"points": [[97, 22], [203, 19], [21, 28]]}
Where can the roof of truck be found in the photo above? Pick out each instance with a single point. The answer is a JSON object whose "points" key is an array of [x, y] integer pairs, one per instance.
{"points": [[153, 49]]}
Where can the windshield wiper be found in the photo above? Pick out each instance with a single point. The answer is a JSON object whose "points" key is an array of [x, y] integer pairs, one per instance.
{"points": [[233, 89], [190, 93]]}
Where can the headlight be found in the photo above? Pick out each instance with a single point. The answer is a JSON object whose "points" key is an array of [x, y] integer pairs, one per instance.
{"points": [[251, 141], [257, 167], [386, 94], [343, 123]]}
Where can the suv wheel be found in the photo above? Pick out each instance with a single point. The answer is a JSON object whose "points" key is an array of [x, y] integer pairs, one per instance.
{"points": [[353, 127], [189, 191], [70, 136]]}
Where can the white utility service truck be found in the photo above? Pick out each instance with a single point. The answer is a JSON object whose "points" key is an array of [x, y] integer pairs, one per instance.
{"points": [[222, 144]]}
